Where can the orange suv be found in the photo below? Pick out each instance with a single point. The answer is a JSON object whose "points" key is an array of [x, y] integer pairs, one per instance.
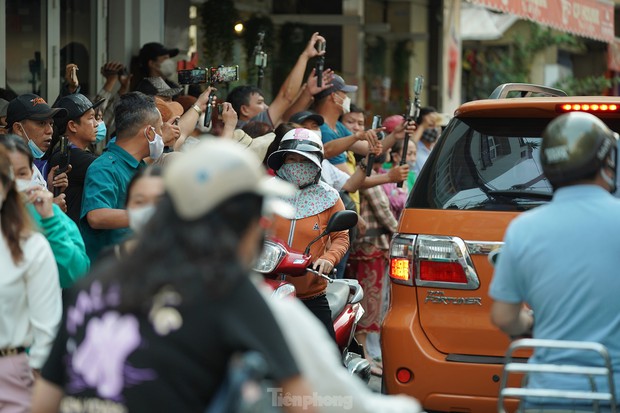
{"points": [[438, 343]]}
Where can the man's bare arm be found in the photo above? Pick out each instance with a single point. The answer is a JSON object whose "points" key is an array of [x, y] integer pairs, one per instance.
{"points": [[290, 88], [108, 218]]}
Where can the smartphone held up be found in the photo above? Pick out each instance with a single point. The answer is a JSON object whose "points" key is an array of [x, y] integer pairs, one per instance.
{"points": [[212, 75]]}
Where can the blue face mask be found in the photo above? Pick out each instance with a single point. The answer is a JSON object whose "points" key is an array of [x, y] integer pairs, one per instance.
{"points": [[102, 131], [34, 149]]}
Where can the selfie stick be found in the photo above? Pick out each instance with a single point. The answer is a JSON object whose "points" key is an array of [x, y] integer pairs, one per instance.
{"points": [[260, 59], [413, 111]]}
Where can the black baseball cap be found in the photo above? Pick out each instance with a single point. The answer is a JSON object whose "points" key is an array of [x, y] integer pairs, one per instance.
{"points": [[337, 85], [76, 105], [301, 117], [31, 106], [151, 51]]}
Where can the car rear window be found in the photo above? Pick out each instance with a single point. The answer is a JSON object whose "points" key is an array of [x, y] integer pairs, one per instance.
{"points": [[484, 164]]}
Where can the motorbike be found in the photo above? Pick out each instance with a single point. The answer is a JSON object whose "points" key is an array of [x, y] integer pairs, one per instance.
{"points": [[278, 260]]}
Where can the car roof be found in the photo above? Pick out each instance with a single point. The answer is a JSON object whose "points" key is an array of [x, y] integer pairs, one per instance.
{"points": [[533, 106], [496, 116]]}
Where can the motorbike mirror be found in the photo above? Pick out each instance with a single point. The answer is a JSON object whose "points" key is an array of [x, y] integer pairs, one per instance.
{"points": [[340, 221]]}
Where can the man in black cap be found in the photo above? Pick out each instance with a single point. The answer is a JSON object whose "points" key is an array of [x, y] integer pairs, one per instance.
{"points": [[156, 61], [80, 127], [30, 117]]}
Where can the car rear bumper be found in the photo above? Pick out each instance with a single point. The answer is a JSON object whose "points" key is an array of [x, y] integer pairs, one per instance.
{"points": [[439, 384]]}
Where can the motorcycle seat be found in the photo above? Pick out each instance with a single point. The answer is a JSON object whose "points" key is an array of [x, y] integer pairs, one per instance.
{"points": [[337, 297]]}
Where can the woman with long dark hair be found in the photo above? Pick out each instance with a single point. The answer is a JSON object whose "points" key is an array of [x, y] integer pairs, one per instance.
{"points": [[60, 231], [155, 331], [30, 301]]}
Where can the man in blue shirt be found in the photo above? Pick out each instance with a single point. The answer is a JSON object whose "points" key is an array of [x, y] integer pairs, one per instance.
{"points": [[103, 219], [562, 259]]}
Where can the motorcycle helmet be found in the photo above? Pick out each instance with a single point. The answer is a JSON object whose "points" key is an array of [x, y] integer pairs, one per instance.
{"points": [[302, 141], [575, 146]]}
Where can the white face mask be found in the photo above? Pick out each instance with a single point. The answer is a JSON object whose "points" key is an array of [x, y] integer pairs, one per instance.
{"points": [[346, 105], [24, 184], [167, 68], [156, 147], [138, 217]]}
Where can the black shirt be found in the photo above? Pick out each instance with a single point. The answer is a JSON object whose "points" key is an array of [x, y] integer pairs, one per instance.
{"points": [[80, 160], [172, 359]]}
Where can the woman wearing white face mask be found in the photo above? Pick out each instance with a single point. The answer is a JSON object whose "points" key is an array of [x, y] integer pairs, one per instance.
{"points": [[30, 296], [143, 193], [61, 232]]}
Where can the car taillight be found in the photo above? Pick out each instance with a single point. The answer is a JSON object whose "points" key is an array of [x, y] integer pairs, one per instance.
{"points": [[588, 107], [442, 272], [401, 259], [432, 261]]}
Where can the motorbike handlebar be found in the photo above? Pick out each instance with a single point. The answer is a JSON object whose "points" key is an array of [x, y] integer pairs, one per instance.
{"points": [[329, 278]]}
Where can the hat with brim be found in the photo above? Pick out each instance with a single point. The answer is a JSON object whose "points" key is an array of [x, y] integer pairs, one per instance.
{"points": [[31, 106], [301, 141], [301, 117], [338, 85], [151, 51], [168, 110], [76, 105], [258, 145], [276, 159], [156, 86], [214, 171]]}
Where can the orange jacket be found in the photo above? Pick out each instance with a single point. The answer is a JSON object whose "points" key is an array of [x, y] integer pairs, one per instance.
{"points": [[305, 230]]}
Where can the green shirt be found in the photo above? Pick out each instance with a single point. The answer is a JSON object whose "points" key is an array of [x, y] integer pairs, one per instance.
{"points": [[66, 242], [105, 186]]}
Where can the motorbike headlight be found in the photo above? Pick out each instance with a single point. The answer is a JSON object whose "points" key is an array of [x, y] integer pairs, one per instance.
{"points": [[283, 291], [269, 258]]}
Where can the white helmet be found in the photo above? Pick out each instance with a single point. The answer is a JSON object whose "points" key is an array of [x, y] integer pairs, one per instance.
{"points": [[302, 141]]}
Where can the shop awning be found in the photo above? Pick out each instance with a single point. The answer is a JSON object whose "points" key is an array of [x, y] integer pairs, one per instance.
{"points": [[587, 18]]}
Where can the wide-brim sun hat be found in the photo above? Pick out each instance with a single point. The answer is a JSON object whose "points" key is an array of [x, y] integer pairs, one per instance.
{"points": [[301, 141]]}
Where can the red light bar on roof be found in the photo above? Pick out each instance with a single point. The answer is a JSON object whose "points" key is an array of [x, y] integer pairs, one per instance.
{"points": [[588, 107]]}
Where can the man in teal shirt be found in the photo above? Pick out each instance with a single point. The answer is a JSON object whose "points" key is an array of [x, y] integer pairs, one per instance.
{"points": [[103, 219]]}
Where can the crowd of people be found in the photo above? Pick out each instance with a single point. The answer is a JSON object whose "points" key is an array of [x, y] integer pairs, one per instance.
{"points": [[126, 258]]}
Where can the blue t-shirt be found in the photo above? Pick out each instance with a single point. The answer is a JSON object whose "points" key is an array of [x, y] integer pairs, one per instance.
{"points": [[328, 134], [563, 259], [106, 187]]}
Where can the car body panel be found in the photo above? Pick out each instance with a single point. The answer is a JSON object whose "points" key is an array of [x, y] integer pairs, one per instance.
{"points": [[444, 335]]}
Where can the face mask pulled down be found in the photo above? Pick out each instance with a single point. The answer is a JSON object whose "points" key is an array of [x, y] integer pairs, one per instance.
{"points": [[34, 149]]}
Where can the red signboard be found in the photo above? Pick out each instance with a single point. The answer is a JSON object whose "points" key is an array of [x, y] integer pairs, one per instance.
{"points": [[587, 18]]}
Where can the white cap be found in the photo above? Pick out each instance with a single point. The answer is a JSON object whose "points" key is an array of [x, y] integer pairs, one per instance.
{"points": [[214, 171]]}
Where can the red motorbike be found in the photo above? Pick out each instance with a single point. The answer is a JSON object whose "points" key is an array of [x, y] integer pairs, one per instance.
{"points": [[344, 296]]}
